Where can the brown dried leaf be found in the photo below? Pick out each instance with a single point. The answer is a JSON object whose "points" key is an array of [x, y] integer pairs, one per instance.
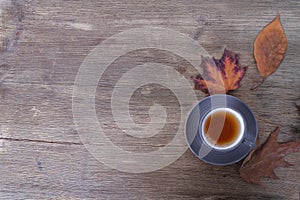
{"points": [[269, 47], [220, 75], [268, 157]]}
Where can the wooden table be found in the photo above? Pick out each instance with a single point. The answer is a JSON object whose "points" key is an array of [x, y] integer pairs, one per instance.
{"points": [[43, 44]]}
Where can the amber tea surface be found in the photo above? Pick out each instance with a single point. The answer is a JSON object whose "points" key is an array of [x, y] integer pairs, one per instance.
{"points": [[222, 128]]}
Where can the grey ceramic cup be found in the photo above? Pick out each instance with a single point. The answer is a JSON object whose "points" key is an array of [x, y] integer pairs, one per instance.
{"points": [[209, 152]]}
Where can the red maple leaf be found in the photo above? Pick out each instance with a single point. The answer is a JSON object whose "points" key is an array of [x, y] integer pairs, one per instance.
{"points": [[219, 75]]}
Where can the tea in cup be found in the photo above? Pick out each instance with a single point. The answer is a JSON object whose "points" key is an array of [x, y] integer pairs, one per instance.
{"points": [[222, 128]]}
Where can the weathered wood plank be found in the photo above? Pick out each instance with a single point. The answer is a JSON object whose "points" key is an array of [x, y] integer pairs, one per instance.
{"points": [[42, 45]]}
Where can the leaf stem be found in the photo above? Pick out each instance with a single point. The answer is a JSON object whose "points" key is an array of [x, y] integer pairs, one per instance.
{"points": [[259, 84]]}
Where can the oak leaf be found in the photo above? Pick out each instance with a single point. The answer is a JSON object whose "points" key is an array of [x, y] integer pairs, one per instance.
{"points": [[266, 158], [219, 75], [269, 48]]}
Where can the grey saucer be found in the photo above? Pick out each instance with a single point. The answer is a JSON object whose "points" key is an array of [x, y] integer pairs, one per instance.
{"points": [[214, 156]]}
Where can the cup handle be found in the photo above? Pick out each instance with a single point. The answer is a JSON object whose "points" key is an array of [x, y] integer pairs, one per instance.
{"points": [[249, 143]]}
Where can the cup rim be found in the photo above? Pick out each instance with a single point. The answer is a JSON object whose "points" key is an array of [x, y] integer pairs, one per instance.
{"points": [[238, 140]]}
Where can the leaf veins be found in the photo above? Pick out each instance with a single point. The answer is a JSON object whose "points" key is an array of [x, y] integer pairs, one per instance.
{"points": [[266, 158], [219, 75], [269, 48]]}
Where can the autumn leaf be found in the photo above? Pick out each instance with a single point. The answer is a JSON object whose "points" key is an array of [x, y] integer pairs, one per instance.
{"points": [[268, 157], [269, 48], [219, 75]]}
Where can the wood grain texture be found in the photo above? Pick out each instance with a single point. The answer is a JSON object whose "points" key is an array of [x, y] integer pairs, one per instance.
{"points": [[43, 44]]}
